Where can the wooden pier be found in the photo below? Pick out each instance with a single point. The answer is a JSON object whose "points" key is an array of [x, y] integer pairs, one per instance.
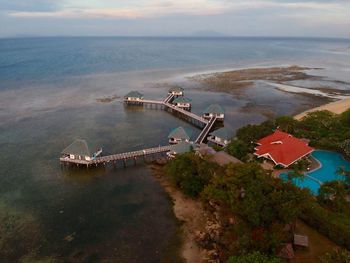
{"points": [[136, 98], [118, 157], [204, 133]]}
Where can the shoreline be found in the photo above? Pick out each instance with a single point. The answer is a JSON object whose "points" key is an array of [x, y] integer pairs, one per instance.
{"points": [[190, 213], [336, 107]]}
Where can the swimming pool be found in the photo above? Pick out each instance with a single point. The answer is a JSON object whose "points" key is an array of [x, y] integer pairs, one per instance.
{"points": [[330, 162]]}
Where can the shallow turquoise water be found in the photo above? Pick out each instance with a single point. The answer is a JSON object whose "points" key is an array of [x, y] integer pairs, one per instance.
{"points": [[330, 161]]}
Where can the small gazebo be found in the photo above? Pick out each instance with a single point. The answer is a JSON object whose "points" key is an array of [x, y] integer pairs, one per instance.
{"points": [[78, 150], [179, 135], [182, 102], [176, 91], [214, 110], [180, 148], [221, 137], [133, 97]]}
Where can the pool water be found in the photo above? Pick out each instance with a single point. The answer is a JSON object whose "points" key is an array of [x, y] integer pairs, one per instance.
{"points": [[330, 163]]}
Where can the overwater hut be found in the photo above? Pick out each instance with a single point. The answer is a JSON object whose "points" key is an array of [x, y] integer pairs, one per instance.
{"points": [[78, 150], [133, 97], [221, 137], [182, 102], [176, 91], [179, 135], [179, 148], [214, 110]]}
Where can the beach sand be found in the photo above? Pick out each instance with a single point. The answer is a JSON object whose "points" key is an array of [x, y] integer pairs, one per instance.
{"points": [[336, 107], [191, 213]]}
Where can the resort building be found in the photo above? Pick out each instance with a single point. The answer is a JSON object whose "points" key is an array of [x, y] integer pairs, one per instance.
{"points": [[183, 103], [179, 135], [214, 110], [221, 137], [282, 148], [78, 150], [176, 91], [133, 97], [180, 148]]}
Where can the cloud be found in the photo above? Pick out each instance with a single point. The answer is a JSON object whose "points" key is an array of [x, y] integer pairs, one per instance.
{"points": [[156, 8], [30, 5]]}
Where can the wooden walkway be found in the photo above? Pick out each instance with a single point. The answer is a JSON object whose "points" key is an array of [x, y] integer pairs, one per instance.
{"points": [[169, 98], [204, 133], [204, 124], [119, 157], [187, 113]]}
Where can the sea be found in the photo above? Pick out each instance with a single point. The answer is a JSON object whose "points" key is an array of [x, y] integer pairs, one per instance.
{"points": [[50, 95]]}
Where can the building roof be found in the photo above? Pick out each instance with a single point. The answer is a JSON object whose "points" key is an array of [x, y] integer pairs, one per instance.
{"points": [[286, 252], [214, 108], [204, 149], [223, 158], [134, 94], [180, 133], [78, 147], [300, 240], [176, 89], [181, 147], [282, 148], [181, 100], [222, 133]]}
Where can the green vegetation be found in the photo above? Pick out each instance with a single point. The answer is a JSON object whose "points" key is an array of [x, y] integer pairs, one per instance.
{"points": [[336, 256], [190, 173], [324, 129], [238, 149], [255, 257], [264, 207]]}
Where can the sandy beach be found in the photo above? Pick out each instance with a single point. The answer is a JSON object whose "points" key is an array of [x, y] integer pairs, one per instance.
{"points": [[192, 215], [336, 107]]}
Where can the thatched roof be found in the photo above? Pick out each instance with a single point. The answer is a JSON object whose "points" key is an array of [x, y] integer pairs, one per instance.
{"points": [[134, 94], [222, 133], [215, 109], [180, 133], [181, 147], [181, 100], [176, 89], [78, 147]]}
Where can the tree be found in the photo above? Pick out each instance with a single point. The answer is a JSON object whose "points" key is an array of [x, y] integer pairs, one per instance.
{"points": [[332, 194], [252, 133], [341, 171], [345, 147], [264, 204], [336, 256], [190, 173], [238, 149], [286, 123], [254, 257], [345, 118], [295, 174]]}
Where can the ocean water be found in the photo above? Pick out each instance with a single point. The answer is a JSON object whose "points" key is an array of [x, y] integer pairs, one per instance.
{"points": [[48, 92]]}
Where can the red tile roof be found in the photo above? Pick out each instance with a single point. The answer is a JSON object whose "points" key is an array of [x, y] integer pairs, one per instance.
{"points": [[282, 148]]}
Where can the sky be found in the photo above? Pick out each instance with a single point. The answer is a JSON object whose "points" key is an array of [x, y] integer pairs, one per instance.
{"points": [[309, 18]]}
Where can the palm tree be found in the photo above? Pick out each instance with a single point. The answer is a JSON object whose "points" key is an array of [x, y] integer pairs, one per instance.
{"points": [[341, 171]]}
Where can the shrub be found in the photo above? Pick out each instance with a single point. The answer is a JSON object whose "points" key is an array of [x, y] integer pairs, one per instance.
{"points": [[254, 257], [190, 173]]}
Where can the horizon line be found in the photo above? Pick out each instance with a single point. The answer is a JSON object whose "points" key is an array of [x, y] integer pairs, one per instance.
{"points": [[170, 36]]}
